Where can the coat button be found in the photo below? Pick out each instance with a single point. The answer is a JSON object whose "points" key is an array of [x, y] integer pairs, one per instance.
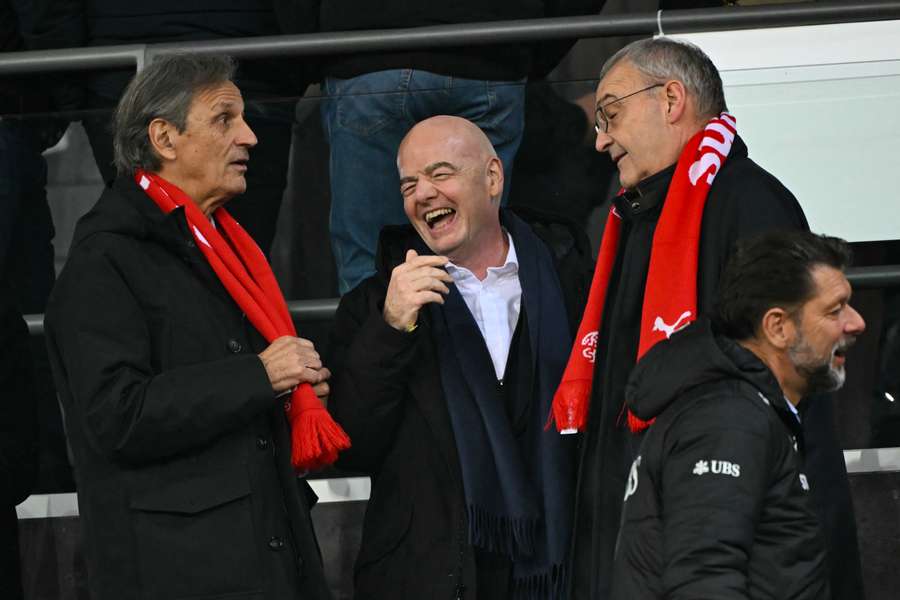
{"points": [[635, 205], [276, 543], [262, 443], [234, 346]]}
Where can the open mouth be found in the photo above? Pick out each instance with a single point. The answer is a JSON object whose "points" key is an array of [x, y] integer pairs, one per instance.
{"points": [[434, 218], [616, 159], [241, 162]]}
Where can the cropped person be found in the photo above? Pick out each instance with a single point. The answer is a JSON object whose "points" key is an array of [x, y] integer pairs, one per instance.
{"points": [[173, 352], [445, 365], [690, 192], [374, 99], [717, 502], [270, 85]]}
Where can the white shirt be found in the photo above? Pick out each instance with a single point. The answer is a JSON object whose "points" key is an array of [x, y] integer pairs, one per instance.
{"points": [[494, 303]]}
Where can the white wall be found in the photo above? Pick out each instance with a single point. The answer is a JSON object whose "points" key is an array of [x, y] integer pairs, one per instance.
{"points": [[819, 107]]}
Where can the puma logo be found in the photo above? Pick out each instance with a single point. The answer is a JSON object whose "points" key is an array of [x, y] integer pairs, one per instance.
{"points": [[660, 325]]}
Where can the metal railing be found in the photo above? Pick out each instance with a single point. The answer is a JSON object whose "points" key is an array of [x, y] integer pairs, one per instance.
{"points": [[499, 32], [324, 309]]}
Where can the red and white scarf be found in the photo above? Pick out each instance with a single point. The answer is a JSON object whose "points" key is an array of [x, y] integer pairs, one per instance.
{"points": [[244, 271], [670, 295]]}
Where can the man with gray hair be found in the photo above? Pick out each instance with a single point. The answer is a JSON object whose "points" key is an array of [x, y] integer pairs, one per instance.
{"points": [[689, 192], [173, 354]]}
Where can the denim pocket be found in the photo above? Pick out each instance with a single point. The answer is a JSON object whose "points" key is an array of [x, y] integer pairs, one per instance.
{"points": [[368, 103]]}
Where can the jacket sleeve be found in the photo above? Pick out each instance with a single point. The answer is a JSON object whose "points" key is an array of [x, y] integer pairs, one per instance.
{"points": [[105, 367], [18, 409], [714, 478], [371, 364]]}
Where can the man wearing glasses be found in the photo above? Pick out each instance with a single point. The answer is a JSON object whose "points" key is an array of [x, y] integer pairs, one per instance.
{"points": [[689, 192]]}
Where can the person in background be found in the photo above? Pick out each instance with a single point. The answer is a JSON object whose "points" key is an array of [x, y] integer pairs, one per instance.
{"points": [[375, 98]]}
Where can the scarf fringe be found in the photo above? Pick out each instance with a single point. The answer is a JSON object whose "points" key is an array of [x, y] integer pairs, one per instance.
{"points": [[549, 585], [514, 538], [316, 439], [637, 424], [568, 409]]}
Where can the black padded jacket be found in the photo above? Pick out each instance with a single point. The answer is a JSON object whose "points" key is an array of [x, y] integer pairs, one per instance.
{"points": [[716, 505]]}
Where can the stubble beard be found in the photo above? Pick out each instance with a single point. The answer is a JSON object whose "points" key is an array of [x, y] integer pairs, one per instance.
{"points": [[821, 374]]}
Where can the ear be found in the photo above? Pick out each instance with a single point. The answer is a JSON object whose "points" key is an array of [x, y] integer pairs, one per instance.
{"points": [[778, 328], [163, 138], [495, 176], [676, 101]]}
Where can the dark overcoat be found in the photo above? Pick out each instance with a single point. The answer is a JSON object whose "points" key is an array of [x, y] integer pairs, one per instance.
{"points": [[743, 201], [387, 394], [181, 450]]}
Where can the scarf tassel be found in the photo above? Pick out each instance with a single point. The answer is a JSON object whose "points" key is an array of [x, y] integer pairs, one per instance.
{"points": [[569, 408], [541, 586], [510, 537], [636, 424], [315, 437]]}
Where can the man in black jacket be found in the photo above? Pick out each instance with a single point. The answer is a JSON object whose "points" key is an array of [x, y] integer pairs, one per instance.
{"points": [[445, 366], [716, 504], [181, 448], [653, 97], [374, 98]]}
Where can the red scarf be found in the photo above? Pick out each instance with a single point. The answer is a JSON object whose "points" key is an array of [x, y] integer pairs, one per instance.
{"points": [[670, 295], [244, 271]]}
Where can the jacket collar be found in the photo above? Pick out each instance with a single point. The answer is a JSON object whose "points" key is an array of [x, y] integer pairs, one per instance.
{"points": [[650, 192]]}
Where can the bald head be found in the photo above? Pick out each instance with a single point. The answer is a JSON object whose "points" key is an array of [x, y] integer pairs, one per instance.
{"points": [[460, 137]]}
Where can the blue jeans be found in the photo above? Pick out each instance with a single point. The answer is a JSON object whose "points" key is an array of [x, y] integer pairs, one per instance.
{"points": [[366, 118]]}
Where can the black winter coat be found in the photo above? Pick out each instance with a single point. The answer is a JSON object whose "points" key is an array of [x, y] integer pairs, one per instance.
{"points": [[716, 505], [181, 450], [18, 436], [387, 394], [744, 200]]}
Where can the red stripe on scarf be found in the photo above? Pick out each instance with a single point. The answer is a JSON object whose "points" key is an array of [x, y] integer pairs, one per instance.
{"points": [[670, 295], [245, 273]]}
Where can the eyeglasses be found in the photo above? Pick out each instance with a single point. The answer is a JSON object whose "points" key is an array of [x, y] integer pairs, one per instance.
{"points": [[601, 119]]}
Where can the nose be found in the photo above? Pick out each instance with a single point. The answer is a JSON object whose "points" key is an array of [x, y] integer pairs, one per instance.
{"points": [[425, 189], [245, 136], [855, 323], [603, 142]]}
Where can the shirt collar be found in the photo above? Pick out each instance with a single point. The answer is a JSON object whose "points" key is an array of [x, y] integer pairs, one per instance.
{"points": [[510, 265]]}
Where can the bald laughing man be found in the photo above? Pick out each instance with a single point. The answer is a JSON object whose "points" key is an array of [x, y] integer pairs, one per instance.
{"points": [[446, 364]]}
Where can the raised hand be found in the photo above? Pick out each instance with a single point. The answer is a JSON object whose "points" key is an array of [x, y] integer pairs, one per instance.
{"points": [[415, 283]]}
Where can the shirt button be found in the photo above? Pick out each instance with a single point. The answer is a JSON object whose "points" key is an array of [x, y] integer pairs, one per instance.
{"points": [[234, 346], [276, 543], [262, 443]]}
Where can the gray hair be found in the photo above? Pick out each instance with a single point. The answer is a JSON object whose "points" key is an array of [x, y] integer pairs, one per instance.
{"points": [[660, 59], [163, 90]]}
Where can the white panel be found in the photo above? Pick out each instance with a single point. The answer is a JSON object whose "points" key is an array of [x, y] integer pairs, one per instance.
{"points": [[818, 107], [340, 489]]}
